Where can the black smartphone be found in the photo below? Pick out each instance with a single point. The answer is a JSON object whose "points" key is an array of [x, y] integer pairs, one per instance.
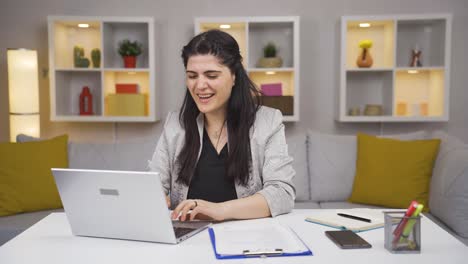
{"points": [[347, 239]]}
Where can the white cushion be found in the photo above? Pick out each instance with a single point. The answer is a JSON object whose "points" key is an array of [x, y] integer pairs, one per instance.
{"points": [[448, 197], [332, 164], [298, 151], [306, 205], [90, 156], [346, 205], [26, 138], [119, 156], [131, 156]]}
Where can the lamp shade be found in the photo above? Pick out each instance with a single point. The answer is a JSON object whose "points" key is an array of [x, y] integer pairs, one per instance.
{"points": [[23, 88]]}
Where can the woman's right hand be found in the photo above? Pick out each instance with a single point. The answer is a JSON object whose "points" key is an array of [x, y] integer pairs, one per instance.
{"points": [[199, 209], [168, 201]]}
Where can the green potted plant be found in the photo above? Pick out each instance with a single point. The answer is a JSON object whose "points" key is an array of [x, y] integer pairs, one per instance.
{"points": [[96, 57], [79, 59], [129, 50], [270, 58]]}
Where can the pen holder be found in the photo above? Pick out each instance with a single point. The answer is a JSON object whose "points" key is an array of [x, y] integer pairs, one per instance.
{"points": [[402, 234]]}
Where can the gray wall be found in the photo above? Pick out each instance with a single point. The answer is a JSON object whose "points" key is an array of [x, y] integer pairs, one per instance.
{"points": [[24, 24]]}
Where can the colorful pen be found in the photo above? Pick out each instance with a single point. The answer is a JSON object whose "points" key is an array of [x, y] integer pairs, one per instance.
{"points": [[409, 225], [401, 225], [355, 217]]}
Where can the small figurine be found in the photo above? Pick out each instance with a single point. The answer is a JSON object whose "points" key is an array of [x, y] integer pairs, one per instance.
{"points": [[415, 57]]}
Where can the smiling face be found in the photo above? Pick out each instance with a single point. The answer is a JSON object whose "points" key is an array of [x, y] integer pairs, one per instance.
{"points": [[210, 83]]}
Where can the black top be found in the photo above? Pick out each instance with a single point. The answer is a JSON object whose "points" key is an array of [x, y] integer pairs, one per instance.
{"points": [[210, 181]]}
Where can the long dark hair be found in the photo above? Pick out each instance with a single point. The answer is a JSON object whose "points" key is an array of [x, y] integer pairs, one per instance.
{"points": [[242, 106]]}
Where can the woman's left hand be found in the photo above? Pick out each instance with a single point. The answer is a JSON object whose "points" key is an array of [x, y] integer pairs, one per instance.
{"points": [[201, 209]]}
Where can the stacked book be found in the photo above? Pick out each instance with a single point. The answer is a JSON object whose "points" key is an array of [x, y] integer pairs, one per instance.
{"points": [[126, 101]]}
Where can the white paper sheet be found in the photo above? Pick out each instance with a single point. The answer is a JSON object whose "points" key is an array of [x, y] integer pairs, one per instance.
{"points": [[233, 239]]}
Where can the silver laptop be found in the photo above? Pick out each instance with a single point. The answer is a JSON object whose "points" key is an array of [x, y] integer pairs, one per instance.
{"points": [[120, 204]]}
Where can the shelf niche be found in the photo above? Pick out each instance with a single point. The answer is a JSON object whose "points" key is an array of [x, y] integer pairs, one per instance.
{"points": [[281, 34], [369, 88], [426, 35], [111, 78], [68, 35], [115, 32], [420, 93], [285, 102], [71, 84], [382, 35]]}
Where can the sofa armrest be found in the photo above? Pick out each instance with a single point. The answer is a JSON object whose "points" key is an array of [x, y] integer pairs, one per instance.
{"points": [[448, 198]]}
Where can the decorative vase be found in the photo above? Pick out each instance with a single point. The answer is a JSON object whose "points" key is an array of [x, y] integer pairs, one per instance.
{"points": [[129, 61], [354, 111], [270, 62], [401, 109], [373, 110], [96, 58], [424, 108], [364, 59], [86, 101]]}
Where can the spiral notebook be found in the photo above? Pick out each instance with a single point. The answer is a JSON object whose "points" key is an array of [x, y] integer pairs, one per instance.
{"points": [[332, 219]]}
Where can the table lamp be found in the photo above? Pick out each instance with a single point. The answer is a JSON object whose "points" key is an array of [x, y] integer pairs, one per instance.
{"points": [[23, 88]]}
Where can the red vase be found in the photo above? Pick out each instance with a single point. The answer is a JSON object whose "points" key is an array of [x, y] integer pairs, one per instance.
{"points": [[129, 61], [86, 102]]}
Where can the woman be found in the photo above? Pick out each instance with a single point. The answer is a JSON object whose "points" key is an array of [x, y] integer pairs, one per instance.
{"points": [[223, 156]]}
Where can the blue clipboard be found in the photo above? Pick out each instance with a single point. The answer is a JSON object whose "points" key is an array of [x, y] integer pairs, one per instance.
{"points": [[260, 254]]}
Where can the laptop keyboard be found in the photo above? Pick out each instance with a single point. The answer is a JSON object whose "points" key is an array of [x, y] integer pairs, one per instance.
{"points": [[181, 231]]}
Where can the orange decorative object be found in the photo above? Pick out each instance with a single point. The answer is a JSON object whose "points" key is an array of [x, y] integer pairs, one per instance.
{"points": [[364, 59], [424, 109], [401, 109], [86, 102], [126, 88]]}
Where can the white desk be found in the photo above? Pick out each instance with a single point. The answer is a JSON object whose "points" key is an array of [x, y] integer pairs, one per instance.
{"points": [[50, 241]]}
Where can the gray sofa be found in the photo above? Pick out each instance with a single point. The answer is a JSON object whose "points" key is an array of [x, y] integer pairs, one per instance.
{"points": [[325, 167], [120, 156]]}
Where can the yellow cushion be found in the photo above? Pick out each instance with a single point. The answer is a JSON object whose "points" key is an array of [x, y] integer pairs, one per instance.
{"points": [[26, 181], [391, 172]]}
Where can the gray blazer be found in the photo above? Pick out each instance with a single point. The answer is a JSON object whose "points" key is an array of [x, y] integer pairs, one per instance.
{"points": [[271, 174]]}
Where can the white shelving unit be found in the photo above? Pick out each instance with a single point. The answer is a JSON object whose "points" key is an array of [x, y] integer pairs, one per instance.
{"points": [[406, 94], [104, 33], [252, 34]]}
